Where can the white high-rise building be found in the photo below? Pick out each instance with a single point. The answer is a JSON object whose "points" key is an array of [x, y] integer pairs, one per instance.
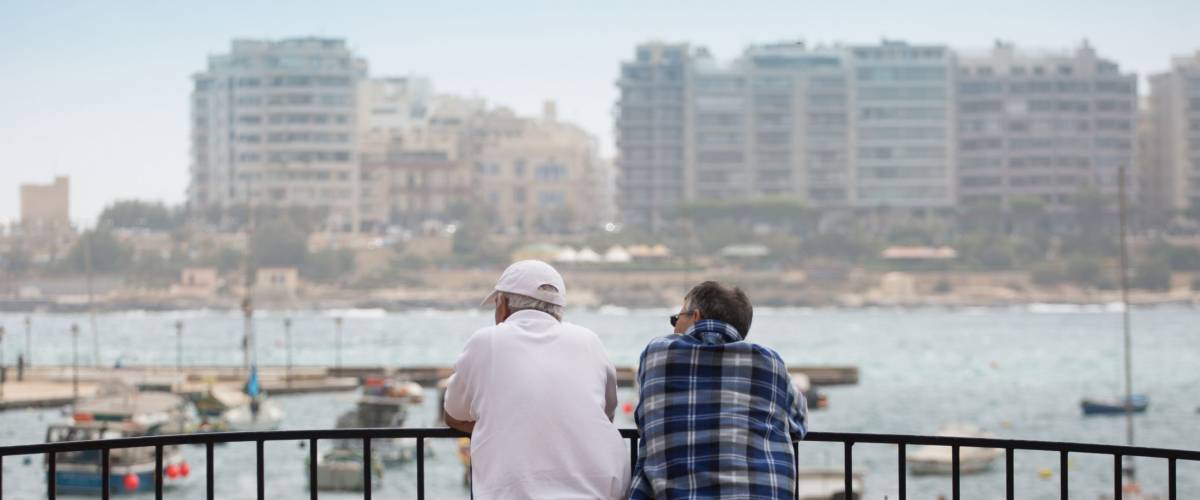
{"points": [[833, 126], [1172, 175], [1044, 126], [274, 123]]}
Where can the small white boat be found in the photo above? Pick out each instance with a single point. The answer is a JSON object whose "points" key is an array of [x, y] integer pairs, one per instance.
{"points": [[940, 459], [826, 484], [342, 470]]}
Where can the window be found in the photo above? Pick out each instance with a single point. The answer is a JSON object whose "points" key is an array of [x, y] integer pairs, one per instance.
{"points": [[550, 172], [551, 199]]}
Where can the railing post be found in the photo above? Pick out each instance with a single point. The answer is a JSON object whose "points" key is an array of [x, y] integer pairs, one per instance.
{"points": [[1063, 476], [848, 454], [955, 492], [1171, 479], [367, 463], [1117, 477], [420, 468], [312, 469], [902, 470], [258, 455], [52, 475], [209, 469], [1008, 474], [105, 485], [158, 472]]}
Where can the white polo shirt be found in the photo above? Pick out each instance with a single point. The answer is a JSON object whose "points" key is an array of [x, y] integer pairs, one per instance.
{"points": [[542, 395]]}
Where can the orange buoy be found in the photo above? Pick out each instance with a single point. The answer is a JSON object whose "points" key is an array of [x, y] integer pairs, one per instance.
{"points": [[131, 482]]}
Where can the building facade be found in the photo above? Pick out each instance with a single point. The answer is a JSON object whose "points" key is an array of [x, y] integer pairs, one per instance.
{"points": [[834, 126], [651, 126], [274, 123], [539, 175], [903, 134], [1043, 126], [1172, 172], [46, 208]]}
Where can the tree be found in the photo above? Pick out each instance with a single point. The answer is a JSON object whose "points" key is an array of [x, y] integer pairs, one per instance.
{"points": [[1193, 210], [328, 266], [1152, 274], [279, 244], [108, 255], [17, 261], [1178, 258], [137, 214], [1086, 271]]}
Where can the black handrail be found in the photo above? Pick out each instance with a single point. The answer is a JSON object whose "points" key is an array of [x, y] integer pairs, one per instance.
{"points": [[848, 440]]}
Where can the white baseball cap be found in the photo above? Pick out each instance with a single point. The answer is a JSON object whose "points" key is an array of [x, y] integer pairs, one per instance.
{"points": [[527, 278]]}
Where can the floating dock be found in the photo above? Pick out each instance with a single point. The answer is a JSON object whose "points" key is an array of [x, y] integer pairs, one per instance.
{"points": [[54, 386]]}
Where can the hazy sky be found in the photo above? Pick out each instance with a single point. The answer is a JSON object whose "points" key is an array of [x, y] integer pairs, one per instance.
{"points": [[99, 90]]}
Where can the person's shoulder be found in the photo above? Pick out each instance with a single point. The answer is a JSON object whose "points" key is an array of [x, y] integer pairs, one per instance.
{"points": [[769, 354], [485, 334]]}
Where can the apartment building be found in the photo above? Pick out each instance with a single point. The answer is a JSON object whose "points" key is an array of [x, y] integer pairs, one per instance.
{"points": [[1172, 173], [1043, 125], [835, 126], [274, 123], [539, 175], [651, 118]]}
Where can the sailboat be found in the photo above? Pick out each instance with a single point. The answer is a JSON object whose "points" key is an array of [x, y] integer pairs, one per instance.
{"points": [[1131, 403]]}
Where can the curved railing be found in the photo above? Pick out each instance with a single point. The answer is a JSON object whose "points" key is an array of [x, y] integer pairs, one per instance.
{"points": [[848, 441]]}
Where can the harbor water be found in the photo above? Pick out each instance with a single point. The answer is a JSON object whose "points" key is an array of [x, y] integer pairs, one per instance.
{"points": [[1018, 372]]}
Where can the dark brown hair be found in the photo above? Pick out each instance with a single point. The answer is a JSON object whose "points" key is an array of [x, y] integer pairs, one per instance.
{"points": [[722, 303]]}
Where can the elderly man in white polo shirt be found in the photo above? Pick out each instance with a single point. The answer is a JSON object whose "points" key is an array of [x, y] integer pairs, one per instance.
{"points": [[537, 395]]}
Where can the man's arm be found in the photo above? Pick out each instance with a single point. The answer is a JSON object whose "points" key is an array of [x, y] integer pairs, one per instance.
{"points": [[461, 425], [458, 408], [797, 406]]}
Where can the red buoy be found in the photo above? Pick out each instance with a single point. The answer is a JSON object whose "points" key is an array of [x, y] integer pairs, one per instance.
{"points": [[627, 408], [131, 482], [184, 469], [172, 471]]}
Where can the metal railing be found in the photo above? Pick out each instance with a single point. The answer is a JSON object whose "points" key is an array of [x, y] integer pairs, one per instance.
{"points": [[848, 440]]}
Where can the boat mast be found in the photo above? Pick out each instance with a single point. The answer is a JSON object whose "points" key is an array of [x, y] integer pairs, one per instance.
{"points": [[249, 347], [1125, 314]]}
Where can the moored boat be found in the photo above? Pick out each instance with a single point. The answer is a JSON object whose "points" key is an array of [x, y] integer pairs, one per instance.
{"points": [[940, 459], [120, 412], [1137, 403]]}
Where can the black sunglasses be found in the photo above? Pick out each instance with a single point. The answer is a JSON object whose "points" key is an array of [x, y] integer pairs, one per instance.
{"points": [[675, 318]]}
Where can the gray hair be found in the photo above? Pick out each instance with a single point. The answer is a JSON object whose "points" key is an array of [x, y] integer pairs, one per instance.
{"points": [[521, 302]]}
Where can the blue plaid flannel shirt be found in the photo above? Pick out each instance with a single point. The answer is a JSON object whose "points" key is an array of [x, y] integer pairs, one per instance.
{"points": [[717, 417]]}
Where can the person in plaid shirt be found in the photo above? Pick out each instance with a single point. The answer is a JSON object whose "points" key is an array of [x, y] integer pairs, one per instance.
{"points": [[717, 414]]}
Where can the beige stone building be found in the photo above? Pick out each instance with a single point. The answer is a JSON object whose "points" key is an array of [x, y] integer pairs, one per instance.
{"points": [[422, 153], [539, 175], [46, 207], [414, 153]]}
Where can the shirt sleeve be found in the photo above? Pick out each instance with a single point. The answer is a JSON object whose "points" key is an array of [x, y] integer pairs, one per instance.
{"points": [[610, 390], [463, 387], [797, 410]]}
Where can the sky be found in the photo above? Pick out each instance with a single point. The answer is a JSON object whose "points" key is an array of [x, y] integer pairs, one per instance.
{"points": [[98, 91]]}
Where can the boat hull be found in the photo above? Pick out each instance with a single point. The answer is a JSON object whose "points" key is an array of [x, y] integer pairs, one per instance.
{"points": [[1138, 404]]}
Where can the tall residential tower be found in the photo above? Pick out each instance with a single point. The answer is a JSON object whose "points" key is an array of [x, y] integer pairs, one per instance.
{"points": [[273, 123]]}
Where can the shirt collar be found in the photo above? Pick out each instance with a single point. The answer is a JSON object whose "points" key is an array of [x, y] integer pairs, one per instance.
{"points": [[713, 332]]}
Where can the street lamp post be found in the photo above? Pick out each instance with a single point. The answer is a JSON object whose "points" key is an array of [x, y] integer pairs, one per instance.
{"points": [[287, 343], [338, 344], [75, 361], [3, 367], [179, 346], [28, 345]]}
